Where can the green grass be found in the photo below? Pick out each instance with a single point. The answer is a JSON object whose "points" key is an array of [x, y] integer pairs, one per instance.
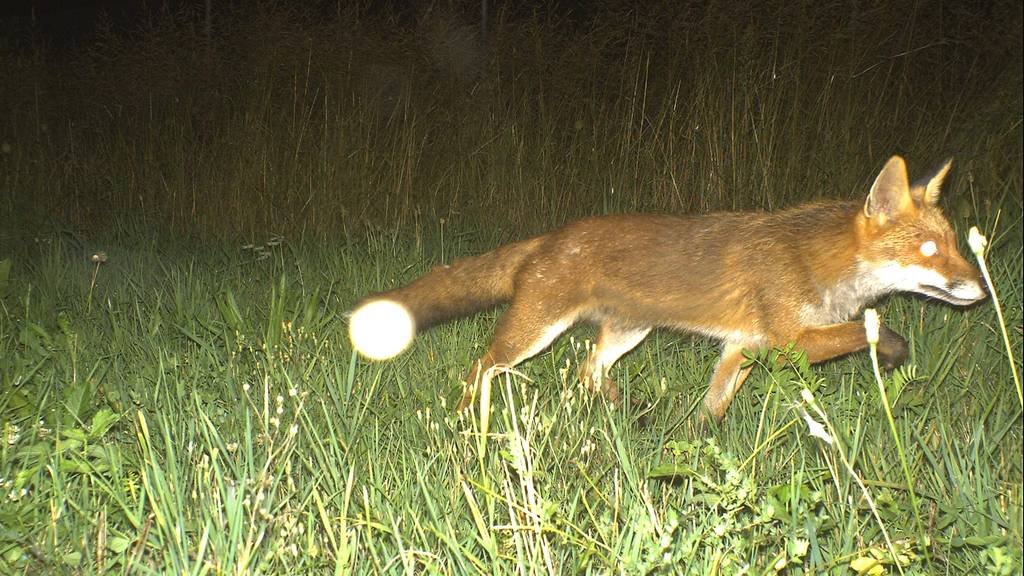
{"points": [[192, 404], [208, 414]]}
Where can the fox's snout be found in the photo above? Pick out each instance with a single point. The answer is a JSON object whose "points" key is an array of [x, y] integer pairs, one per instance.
{"points": [[962, 285], [967, 282], [964, 292]]}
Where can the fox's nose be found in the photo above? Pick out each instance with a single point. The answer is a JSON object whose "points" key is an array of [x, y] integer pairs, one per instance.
{"points": [[979, 286]]}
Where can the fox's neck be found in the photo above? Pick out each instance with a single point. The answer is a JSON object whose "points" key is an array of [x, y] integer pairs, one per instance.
{"points": [[846, 283], [827, 234]]}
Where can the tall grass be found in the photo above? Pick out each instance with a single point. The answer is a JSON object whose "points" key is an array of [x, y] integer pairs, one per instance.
{"points": [[288, 124], [191, 404]]}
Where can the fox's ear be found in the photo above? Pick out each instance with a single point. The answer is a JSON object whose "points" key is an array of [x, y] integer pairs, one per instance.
{"points": [[928, 191], [890, 194]]}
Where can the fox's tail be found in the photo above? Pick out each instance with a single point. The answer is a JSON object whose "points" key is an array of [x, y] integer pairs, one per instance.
{"points": [[383, 325]]}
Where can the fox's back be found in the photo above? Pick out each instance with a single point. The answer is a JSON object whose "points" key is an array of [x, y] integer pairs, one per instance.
{"points": [[691, 271]]}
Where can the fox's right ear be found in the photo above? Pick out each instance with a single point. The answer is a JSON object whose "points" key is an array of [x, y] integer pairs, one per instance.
{"points": [[890, 194]]}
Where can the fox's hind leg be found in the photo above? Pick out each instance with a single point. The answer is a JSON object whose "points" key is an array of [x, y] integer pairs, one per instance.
{"points": [[614, 341], [526, 328]]}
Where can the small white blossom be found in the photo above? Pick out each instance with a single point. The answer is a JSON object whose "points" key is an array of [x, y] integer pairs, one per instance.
{"points": [[871, 325], [976, 240], [807, 396], [13, 434], [815, 428]]}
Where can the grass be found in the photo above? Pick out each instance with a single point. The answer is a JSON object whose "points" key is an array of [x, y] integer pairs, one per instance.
{"points": [[191, 404]]}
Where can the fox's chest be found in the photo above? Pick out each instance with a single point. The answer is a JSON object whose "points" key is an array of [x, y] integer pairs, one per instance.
{"points": [[841, 301]]}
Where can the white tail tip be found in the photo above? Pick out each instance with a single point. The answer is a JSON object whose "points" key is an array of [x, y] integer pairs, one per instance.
{"points": [[381, 329]]}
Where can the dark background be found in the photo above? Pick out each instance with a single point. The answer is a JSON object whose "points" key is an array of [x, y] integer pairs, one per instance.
{"points": [[327, 117]]}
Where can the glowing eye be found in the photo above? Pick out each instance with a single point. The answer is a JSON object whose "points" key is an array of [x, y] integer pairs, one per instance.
{"points": [[929, 248]]}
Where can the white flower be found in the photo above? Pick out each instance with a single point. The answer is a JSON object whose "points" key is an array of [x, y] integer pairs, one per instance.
{"points": [[807, 396], [871, 325], [13, 434], [976, 240], [814, 428]]}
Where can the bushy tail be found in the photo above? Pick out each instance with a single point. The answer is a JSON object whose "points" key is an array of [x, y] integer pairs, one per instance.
{"points": [[383, 325]]}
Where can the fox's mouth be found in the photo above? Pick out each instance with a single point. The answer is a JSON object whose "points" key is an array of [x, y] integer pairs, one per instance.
{"points": [[949, 295]]}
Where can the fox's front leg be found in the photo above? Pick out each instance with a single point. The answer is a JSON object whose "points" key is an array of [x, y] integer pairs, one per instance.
{"points": [[820, 344], [828, 342]]}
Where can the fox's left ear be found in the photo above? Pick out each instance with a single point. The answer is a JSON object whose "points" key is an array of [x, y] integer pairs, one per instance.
{"points": [[928, 190]]}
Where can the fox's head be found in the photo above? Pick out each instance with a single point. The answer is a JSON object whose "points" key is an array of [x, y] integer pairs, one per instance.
{"points": [[907, 242]]}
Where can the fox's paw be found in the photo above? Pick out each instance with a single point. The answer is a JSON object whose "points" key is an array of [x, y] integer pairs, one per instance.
{"points": [[468, 395], [603, 385], [892, 348], [706, 422]]}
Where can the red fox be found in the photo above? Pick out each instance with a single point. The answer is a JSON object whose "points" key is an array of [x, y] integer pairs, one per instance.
{"points": [[752, 280]]}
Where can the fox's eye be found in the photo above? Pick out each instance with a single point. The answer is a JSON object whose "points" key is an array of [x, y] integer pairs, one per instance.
{"points": [[929, 248]]}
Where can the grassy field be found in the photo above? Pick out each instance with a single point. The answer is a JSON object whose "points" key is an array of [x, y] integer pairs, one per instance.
{"points": [[185, 221]]}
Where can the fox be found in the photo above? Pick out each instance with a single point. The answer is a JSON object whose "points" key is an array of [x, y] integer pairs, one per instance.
{"points": [[754, 281]]}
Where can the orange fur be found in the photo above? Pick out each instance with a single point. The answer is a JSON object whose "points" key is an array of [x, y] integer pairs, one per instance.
{"points": [[752, 280]]}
